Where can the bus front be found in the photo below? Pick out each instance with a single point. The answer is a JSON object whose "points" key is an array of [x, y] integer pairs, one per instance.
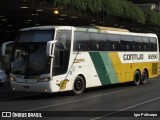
{"points": [[31, 69]]}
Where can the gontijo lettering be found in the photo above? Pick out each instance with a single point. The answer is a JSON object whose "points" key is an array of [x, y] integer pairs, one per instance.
{"points": [[133, 57]]}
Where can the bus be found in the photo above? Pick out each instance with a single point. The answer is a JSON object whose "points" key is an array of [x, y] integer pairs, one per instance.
{"points": [[49, 59]]}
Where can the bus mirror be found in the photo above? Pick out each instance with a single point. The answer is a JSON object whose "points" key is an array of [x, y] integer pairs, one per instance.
{"points": [[5, 52], [50, 48], [6, 47]]}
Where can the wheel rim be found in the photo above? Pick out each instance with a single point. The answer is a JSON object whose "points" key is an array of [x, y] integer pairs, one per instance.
{"points": [[78, 85]]}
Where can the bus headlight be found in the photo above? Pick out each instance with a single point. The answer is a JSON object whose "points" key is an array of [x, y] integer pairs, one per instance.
{"points": [[44, 79], [12, 78]]}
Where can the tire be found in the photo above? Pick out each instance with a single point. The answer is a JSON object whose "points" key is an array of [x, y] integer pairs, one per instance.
{"points": [[144, 77], [137, 78], [79, 85]]}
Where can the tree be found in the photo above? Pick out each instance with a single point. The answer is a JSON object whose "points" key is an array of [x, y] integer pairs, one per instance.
{"points": [[152, 17], [114, 8]]}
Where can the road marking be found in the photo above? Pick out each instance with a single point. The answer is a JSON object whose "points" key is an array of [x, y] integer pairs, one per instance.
{"points": [[68, 102], [133, 106]]}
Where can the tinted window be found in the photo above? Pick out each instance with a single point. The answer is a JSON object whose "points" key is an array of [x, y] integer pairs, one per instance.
{"points": [[62, 52], [82, 41], [137, 43], [36, 36], [98, 42], [64, 37], [126, 43], [152, 44], [113, 42], [145, 44]]}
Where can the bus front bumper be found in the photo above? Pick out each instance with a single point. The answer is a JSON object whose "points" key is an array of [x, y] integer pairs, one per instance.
{"points": [[42, 87]]}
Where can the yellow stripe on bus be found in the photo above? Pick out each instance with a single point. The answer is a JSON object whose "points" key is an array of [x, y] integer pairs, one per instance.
{"points": [[125, 71]]}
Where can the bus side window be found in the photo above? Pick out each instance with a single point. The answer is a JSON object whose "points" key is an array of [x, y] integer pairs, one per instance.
{"points": [[113, 42], [145, 43], [62, 52], [152, 44], [82, 41], [137, 43], [126, 43], [64, 37], [98, 42]]}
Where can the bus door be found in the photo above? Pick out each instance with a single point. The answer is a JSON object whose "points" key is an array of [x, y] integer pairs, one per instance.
{"points": [[62, 52]]}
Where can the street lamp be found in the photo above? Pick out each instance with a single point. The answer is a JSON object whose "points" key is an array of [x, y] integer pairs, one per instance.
{"points": [[56, 11]]}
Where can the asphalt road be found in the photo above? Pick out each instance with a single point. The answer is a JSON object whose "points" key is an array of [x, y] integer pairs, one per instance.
{"points": [[116, 102]]}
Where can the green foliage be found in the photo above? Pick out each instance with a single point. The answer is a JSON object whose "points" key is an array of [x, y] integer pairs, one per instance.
{"points": [[132, 12], [113, 8], [95, 6], [79, 5], [152, 17]]}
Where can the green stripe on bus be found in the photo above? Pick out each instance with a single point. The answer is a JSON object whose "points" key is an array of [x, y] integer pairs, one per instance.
{"points": [[111, 73], [104, 67], [100, 67]]}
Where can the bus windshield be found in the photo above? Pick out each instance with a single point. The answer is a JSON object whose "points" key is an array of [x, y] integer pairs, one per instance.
{"points": [[29, 53], [36, 36]]}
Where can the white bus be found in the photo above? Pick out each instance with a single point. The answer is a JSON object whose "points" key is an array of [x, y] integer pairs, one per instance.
{"points": [[62, 58]]}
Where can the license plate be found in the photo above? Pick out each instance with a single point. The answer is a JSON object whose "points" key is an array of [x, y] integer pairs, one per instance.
{"points": [[27, 87]]}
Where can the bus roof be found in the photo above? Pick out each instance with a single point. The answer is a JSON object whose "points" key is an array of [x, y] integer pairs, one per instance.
{"points": [[111, 29], [98, 29], [133, 33], [38, 28]]}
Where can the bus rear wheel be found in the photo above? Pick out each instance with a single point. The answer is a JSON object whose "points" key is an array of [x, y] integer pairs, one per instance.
{"points": [[144, 77], [137, 78], [79, 85]]}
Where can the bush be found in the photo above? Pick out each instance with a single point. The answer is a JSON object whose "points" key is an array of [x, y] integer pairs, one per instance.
{"points": [[113, 8], [152, 17]]}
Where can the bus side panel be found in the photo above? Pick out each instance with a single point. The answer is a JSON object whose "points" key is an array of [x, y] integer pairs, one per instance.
{"points": [[125, 71], [104, 67], [83, 65]]}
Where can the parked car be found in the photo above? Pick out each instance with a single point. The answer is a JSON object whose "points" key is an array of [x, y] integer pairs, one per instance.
{"points": [[3, 76]]}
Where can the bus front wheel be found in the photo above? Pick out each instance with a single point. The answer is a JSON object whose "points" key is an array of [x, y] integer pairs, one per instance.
{"points": [[137, 78], [79, 85]]}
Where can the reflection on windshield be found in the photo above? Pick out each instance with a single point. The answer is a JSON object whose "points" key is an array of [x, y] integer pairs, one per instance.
{"points": [[36, 36], [29, 52], [30, 58]]}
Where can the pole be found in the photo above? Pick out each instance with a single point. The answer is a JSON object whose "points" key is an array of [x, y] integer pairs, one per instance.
{"points": [[102, 15]]}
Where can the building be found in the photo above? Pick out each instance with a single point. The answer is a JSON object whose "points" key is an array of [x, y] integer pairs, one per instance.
{"points": [[151, 6]]}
